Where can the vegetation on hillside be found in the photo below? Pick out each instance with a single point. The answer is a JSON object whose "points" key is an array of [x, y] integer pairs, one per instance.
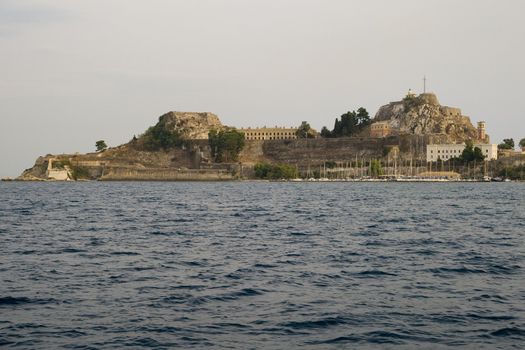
{"points": [[350, 124], [410, 101], [305, 131], [507, 144], [226, 145], [158, 137], [78, 172], [275, 171], [522, 143]]}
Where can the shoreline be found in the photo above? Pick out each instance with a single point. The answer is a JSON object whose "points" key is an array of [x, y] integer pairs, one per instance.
{"points": [[268, 181]]}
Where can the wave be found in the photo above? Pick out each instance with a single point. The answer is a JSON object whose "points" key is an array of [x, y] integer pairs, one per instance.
{"points": [[72, 250], [509, 332], [4, 342], [320, 323], [125, 253], [375, 273], [8, 301], [375, 337], [232, 296], [462, 270]]}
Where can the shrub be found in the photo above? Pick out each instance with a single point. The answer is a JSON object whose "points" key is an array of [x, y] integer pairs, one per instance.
{"points": [[275, 171], [157, 137], [78, 172]]}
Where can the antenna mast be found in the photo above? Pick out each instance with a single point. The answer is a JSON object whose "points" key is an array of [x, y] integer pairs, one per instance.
{"points": [[424, 83]]}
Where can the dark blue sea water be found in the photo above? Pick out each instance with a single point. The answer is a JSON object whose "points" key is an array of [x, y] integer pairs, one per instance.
{"points": [[262, 265]]}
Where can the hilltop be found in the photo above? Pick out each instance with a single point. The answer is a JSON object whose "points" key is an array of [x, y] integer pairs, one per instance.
{"points": [[424, 115]]}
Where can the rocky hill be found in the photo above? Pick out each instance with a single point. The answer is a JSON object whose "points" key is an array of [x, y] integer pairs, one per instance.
{"points": [[190, 125], [177, 142], [423, 115]]}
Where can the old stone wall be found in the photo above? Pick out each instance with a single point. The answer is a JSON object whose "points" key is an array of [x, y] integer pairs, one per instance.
{"points": [[317, 151], [162, 174]]}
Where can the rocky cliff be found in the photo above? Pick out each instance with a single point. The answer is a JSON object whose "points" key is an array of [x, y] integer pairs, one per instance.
{"points": [[423, 115], [190, 125]]}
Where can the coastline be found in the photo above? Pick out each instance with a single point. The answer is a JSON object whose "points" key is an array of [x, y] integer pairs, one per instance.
{"points": [[268, 181]]}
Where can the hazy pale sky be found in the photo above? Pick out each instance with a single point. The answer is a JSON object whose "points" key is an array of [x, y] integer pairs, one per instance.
{"points": [[73, 72]]}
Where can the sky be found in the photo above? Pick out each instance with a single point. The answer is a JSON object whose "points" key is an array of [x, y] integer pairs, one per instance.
{"points": [[74, 72]]}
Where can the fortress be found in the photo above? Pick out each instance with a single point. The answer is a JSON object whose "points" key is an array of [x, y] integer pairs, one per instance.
{"points": [[416, 130], [424, 115]]}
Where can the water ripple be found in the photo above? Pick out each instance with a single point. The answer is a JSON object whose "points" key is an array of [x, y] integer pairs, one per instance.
{"points": [[262, 265]]}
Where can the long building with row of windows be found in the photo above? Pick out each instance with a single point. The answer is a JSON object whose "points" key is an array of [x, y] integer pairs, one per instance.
{"points": [[269, 133], [448, 151]]}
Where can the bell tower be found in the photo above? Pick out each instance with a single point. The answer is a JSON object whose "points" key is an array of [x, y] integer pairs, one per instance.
{"points": [[482, 131]]}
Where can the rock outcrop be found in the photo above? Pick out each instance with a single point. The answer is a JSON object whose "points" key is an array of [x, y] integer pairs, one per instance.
{"points": [[190, 125], [423, 115]]}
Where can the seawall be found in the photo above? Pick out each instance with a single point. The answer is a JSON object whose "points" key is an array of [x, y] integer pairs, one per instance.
{"points": [[163, 174]]}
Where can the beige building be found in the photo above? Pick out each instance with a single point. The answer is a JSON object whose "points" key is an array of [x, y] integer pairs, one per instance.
{"points": [[379, 129], [447, 151], [269, 133]]}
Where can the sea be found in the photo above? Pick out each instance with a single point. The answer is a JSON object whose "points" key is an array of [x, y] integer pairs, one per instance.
{"points": [[262, 265]]}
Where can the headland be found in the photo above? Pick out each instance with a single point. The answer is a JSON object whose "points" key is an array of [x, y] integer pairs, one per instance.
{"points": [[413, 138]]}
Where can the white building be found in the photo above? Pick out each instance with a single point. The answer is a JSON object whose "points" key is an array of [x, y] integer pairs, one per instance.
{"points": [[447, 151]]}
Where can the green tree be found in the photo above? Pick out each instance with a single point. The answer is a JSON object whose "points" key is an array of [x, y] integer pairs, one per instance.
{"points": [[304, 131], [522, 143], [376, 169], [226, 145], [477, 155], [325, 132], [471, 153], [262, 170], [363, 118], [351, 123], [101, 145], [507, 144]]}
